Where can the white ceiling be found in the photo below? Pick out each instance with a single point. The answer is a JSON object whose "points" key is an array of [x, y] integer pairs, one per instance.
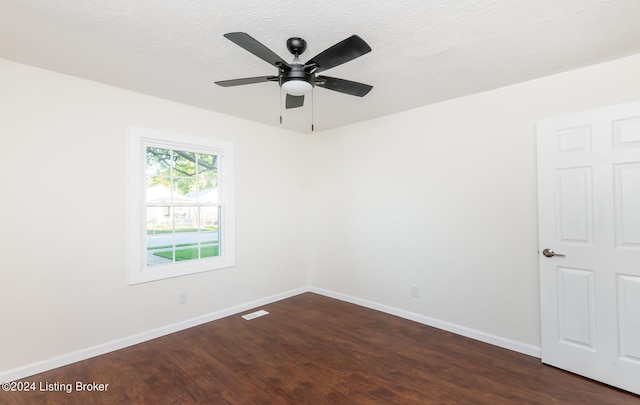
{"points": [[424, 51]]}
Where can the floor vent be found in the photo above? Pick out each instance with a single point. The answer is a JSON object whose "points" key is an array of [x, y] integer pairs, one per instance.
{"points": [[253, 315]]}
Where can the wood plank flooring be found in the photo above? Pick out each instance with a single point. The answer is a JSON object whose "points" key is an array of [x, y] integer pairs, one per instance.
{"points": [[312, 349]]}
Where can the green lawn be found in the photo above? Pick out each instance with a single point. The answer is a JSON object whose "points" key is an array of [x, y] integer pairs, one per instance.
{"points": [[190, 253]]}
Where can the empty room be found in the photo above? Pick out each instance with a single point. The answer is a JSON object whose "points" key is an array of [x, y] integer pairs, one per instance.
{"points": [[292, 202]]}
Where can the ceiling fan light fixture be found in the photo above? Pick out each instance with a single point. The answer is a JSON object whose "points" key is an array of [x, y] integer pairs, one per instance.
{"points": [[297, 87]]}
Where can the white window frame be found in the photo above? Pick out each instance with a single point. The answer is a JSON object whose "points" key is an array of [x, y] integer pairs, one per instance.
{"points": [[138, 140]]}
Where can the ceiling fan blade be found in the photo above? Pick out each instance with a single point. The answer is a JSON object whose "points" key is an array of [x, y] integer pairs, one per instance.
{"points": [[294, 101], [343, 86], [249, 43], [246, 80], [344, 51]]}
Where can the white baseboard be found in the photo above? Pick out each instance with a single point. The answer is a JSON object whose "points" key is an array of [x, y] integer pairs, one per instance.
{"points": [[63, 360], [436, 323], [83, 354]]}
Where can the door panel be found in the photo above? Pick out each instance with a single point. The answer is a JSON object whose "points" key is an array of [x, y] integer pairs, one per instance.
{"points": [[626, 133], [629, 316], [589, 213], [574, 205], [573, 140], [627, 207], [576, 307]]}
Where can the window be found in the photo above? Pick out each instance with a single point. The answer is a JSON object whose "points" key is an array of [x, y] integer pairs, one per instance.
{"points": [[180, 201]]}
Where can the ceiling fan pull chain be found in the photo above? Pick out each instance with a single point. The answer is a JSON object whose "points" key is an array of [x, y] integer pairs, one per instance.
{"points": [[312, 110], [281, 106]]}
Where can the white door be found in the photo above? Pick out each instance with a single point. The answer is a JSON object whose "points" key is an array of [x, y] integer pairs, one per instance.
{"points": [[589, 216]]}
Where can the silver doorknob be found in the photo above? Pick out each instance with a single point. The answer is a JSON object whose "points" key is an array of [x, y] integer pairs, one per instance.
{"points": [[551, 253]]}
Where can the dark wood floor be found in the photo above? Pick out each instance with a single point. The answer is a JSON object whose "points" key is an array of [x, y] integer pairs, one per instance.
{"points": [[315, 350]]}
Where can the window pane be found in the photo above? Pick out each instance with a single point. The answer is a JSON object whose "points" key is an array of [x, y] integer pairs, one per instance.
{"points": [[158, 192], [158, 175], [159, 220], [160, 235], [186, 219], [207, 179], [182, 188], [205, 195], [184, 164], [209, 218], [210, 231], [207, 165], [158, 161]]}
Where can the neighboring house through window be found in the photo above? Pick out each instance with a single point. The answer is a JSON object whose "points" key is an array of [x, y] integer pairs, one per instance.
{"points": [[180, 197]]}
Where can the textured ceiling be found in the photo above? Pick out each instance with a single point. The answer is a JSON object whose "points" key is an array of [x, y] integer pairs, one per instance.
{"points": [[423, 51]]}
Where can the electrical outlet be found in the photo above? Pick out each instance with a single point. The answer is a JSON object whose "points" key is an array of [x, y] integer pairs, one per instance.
{"points": [[182, 297], [415, 291]]}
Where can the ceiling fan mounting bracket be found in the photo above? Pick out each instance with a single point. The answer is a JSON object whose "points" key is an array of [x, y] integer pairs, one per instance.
{"points": [[296, 45]]}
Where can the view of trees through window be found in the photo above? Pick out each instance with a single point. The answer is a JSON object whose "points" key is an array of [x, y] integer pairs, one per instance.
{"points": [[182, 205]]}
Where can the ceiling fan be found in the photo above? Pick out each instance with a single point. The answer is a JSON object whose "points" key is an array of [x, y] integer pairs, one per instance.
{"points": [[297, 78]]}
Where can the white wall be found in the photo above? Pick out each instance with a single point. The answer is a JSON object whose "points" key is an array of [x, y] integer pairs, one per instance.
{"points": [[444, 197], [63, 281]]}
